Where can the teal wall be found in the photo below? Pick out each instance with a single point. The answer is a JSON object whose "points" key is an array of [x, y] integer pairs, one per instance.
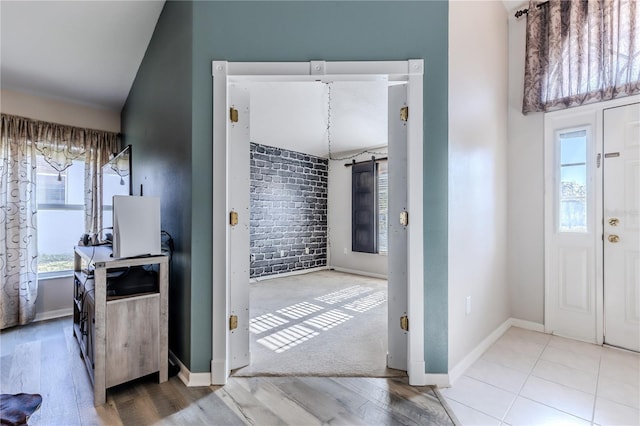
{"points": [[156, 120], [292, 31]]}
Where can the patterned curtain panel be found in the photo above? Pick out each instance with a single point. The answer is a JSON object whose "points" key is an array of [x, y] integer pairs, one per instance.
{"points": [[18, 242], [579, 52], [22, 140]]}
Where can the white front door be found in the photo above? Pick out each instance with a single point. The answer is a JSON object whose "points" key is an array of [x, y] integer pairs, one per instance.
{"points": [[238, 202], [570, 225], [621, 242], [397, 232]]}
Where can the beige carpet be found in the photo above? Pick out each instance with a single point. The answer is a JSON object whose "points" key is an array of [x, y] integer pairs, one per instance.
{"points": [[323, 323]]}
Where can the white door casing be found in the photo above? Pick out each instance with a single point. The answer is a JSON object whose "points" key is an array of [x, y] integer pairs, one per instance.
{"points": [[621, 242], [397, 233], [570, 267], [225, 73]]}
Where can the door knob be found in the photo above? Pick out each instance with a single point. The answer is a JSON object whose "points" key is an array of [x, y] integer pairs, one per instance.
{"points": [[613, 238], [614, 221]]}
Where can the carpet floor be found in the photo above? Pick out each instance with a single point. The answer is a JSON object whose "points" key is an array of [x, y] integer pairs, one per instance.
{"points": [[323, 323]]}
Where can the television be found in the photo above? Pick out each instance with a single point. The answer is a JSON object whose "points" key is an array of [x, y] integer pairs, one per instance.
{"points": [[136, 226], [116, 180]]}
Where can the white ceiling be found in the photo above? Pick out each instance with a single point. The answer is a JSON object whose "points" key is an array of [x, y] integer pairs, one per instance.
{"points": [[294, 115], [85, 52]]}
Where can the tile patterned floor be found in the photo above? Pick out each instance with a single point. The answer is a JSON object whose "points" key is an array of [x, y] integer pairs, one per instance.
{"points": [[530, 378]]}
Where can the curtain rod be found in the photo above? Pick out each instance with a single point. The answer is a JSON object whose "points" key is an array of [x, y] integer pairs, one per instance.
{"points": [[372, 159], [526, 11]]}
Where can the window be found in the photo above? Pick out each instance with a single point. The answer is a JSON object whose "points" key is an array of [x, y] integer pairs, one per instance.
{"points": [[383, 208], [572, 190], [369, 203], [60, 214]]}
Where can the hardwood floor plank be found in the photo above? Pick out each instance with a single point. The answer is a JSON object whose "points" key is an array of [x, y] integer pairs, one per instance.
{"points": [[379, 392], [270, 395], [320, 404], [249, 406], [56, 406], [24, 375]]}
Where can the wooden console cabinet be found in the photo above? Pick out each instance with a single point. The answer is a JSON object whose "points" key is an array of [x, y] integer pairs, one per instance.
{"points": [[121, 338]]}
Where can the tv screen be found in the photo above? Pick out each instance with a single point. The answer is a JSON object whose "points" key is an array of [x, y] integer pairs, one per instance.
{"points": [[136, 226], [116, 180]]}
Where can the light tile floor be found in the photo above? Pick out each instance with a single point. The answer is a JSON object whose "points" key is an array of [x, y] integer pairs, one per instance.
{"points": [[530, 378]]}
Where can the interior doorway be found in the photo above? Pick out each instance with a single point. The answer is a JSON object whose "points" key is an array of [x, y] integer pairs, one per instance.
{"points": [[231, 344], [305, 138]]}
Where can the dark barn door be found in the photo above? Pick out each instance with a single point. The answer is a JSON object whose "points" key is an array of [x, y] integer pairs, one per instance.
{"points": [[364, 208]]}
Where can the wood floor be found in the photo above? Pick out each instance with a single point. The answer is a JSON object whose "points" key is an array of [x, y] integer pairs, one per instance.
{"points": [[43, 358]]}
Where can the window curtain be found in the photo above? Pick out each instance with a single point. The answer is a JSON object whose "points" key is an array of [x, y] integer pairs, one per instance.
{"points": [[580, 52], [18, 224], [22, 140], [60, 145]]}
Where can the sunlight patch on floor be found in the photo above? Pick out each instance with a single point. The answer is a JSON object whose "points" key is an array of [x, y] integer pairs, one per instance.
{"points": [[300, 310], [265, 322], [287, 338], [328, 320], [347, 293], [368, 302]]}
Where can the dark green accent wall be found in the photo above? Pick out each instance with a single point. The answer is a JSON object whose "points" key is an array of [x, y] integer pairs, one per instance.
{"points": [[156, 121], [283, 31]]}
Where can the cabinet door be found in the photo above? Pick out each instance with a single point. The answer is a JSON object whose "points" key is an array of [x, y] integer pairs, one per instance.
{"points": [[133, 335]]}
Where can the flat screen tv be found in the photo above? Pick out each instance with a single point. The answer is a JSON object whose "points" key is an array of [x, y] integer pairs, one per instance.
{"points": [[136, 226], [116, 180]]}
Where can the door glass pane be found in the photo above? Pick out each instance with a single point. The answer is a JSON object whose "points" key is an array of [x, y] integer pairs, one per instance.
{"points": [[573, 147], [572, 192]]}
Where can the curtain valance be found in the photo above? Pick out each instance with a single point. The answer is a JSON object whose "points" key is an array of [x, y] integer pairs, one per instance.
{"points": [[579, 52]]}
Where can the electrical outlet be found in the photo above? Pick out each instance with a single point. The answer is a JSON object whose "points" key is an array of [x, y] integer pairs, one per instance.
{"points": [[306, 250], [345, 250], [467, 310], [281, 253]]}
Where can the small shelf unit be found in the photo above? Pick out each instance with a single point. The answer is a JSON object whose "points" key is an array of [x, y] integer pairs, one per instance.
{"points": [[121, 338]]}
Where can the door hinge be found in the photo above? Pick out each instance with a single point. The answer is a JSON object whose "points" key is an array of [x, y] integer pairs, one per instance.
{"points": [[233, 322], [404, 323], [233, 115], [233, 218], [404, 218], [404, 113], [598, 160]]}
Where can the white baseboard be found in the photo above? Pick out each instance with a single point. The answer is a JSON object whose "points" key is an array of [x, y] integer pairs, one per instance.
{"points": [[527, 325], [58, 313], [289, 274], [191, 379], [357, 272], [476, 353], [219, 372], [439, 380]]}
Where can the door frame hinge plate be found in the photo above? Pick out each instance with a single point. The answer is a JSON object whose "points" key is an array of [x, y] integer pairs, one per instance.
{"points": [[233, 322], [233, 115], [404, 218], [404, 323], [404, 113]]}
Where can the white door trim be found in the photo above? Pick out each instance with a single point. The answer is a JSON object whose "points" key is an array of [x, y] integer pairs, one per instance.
{"points": [[224, 72]]}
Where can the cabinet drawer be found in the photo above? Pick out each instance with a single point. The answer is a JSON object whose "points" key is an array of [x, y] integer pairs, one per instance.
{"points": [[133, 338]]}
